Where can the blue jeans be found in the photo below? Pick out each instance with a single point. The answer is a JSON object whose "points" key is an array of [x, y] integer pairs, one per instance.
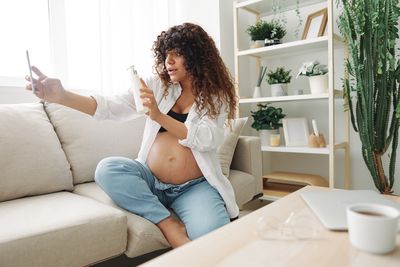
{"points": [[132, 186]]}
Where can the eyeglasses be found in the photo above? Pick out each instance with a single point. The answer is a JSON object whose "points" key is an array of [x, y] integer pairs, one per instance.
{"points": [[295, 227]]}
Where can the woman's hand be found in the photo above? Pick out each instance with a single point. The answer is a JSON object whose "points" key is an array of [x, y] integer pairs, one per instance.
{"points": [[48, 89], [149, 101]]}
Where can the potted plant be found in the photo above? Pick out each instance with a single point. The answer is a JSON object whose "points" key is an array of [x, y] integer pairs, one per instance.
{"points": [[370, 29], [267, 121], [266, 33], [279, 80], [317, 76], [275, 34], [258, 33]]}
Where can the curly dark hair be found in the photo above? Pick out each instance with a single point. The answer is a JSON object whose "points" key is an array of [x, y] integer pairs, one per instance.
{"points": [[212, 83]]}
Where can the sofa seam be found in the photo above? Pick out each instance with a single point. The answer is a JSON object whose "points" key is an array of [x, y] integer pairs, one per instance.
{"points": [[61, 144]]}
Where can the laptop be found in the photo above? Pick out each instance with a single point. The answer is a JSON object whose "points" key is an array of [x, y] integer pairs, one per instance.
{"points": [[330, 206]]}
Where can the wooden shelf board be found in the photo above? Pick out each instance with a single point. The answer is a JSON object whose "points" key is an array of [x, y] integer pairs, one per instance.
{"points": [[274, 191], [295, 178], [284, 98], [305, 97], [287, 48], [280, 184], [302, 150]]}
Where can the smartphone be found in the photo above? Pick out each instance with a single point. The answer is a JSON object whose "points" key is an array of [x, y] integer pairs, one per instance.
{"points": [[30, 70]]}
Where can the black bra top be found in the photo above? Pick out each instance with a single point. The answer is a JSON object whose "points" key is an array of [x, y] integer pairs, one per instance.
{"points": [[177, 116]]}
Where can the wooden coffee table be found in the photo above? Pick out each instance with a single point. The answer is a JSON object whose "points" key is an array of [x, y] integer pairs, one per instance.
{"points": [[237, 244]]}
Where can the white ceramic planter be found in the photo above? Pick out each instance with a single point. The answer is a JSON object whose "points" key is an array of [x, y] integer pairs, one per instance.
{"points": [[257, 92], [279, 89], [257, 44], [319, 84], [265, 136]]}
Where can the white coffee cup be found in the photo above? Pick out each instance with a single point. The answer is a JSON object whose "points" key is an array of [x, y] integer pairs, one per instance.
{"points": [[373, 227]]}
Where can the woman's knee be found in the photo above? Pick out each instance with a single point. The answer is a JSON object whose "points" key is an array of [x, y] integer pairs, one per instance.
{"points": [[202, 210], [205, 224], [106, 168]]}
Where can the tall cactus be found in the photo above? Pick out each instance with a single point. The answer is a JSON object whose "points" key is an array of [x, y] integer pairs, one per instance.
{"points": [[369, 28]]}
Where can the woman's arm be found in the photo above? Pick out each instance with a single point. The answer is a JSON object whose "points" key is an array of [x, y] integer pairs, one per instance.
{"points": [[85, 104], [116, 107], [52, 91]]}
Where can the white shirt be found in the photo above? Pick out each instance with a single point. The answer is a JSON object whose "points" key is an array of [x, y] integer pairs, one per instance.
{"points": [[204, 134]]}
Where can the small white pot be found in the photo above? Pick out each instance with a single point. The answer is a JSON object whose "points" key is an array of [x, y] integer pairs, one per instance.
{"points": [[279, 89], [265, 136], [257, 92], [257, 44], [319, 84]]}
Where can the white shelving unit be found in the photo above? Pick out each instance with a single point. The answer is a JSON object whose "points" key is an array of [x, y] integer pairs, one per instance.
{"points": [[324, 44]]}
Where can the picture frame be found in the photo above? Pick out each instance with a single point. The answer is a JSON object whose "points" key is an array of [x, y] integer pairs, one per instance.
{"points": [[315, 24], [296, 131]]}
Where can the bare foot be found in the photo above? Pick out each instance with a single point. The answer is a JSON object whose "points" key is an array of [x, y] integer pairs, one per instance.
{"points": [[174, 231]]}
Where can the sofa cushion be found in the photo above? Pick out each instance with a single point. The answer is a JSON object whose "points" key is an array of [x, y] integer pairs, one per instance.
{"points": [[243, 185], [227, 148], [248, 159], [32, 161], [86, 141], [59, 229], [143, 236]]}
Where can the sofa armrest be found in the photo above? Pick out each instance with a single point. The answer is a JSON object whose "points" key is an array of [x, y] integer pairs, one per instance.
{"points": [[248, 158]]}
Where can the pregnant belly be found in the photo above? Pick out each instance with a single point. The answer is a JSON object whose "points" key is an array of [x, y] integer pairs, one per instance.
{"points": [[171, 162]]}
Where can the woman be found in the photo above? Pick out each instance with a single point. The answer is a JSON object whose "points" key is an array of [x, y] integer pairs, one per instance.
{"points": [[177, 165]]}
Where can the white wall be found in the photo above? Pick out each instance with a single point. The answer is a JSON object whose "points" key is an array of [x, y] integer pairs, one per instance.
{"points": [[226, 31], [205, 13], [215, 16]]}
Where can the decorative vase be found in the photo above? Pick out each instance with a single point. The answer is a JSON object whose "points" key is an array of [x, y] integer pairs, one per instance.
{"points": [[318, 84], [265, 136], [257, 92], [279, 89]]}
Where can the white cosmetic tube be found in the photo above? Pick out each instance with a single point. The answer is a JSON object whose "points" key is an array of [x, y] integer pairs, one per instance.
{"points": [[135, 86]]}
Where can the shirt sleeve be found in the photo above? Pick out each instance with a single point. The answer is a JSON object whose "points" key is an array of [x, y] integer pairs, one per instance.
{"points": [[204, 133], [119, 107]]}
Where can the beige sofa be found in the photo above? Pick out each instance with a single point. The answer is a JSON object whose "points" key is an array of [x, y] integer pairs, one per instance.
{"points": [[51, 211]]}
